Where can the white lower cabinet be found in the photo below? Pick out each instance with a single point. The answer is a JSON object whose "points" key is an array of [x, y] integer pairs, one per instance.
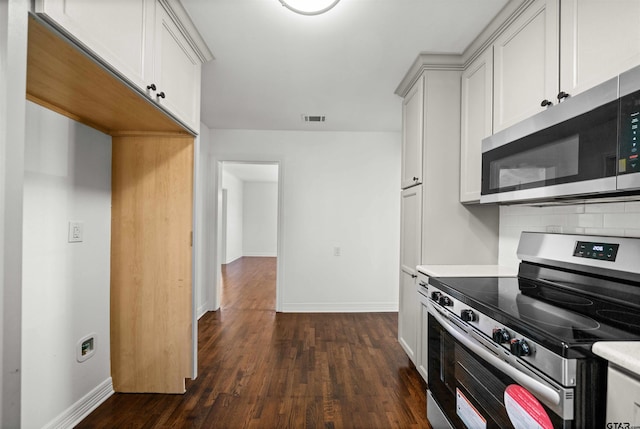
{"points": [[408, 315], [423, 340], [410, 249], [623, 399]]}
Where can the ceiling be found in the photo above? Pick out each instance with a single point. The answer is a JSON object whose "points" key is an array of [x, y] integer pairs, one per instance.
{"points": [[273, 66]]}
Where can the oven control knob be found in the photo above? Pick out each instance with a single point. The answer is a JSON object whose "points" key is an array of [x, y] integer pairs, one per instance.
{"points": [[435, 296], [500, 335], [519, 347], [468, 316], [445, 301]]}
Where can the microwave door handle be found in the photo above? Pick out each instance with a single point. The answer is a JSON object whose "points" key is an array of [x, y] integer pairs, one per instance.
{"points": [[535, 386]]}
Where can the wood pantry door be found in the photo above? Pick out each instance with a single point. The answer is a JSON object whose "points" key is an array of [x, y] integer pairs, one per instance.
{"points": [[151, 308]]}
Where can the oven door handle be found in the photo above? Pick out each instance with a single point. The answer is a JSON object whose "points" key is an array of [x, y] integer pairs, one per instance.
{"points": [[540, 389]]}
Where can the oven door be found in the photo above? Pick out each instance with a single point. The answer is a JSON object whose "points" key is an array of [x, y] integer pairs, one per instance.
{"points": [[478, 393], [569, 150]]}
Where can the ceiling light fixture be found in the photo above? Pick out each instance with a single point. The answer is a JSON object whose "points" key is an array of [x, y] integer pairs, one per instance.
{"points": [[309, 7]]}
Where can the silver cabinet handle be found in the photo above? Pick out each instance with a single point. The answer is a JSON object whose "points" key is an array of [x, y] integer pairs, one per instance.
{"points": [[541, 390]]}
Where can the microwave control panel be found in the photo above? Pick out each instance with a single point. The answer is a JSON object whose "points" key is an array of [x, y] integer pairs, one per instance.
{"points": [[629, 144]]}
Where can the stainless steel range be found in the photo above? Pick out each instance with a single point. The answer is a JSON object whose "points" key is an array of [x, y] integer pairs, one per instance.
{"points": [[515, 352]]}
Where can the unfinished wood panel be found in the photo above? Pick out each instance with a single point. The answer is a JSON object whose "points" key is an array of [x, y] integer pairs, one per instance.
{"points": [[151, 308], [62, 78]]}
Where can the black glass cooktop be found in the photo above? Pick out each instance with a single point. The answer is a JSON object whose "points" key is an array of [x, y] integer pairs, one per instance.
{"points": [[559, 316]]}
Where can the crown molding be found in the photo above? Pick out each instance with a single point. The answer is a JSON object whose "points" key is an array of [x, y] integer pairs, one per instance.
{"points": [[498, 24], [428, 61], [182, 19], [459, 61]]}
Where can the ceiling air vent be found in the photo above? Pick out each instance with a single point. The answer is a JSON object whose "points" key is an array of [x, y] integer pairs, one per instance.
{"points": [[313, 118]]}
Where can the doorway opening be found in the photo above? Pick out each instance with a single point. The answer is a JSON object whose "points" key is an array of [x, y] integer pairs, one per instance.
{"points": [[248, 235]]}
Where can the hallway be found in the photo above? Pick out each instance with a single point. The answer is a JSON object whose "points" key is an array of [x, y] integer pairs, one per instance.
{"points": [[262, 369]]}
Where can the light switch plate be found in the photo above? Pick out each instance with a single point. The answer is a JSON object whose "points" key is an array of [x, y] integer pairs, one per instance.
{"points": [[76, 232]]}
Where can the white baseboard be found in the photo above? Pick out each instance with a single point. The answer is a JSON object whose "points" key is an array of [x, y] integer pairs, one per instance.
{"points": [[261, 254], [336, 307], [203, 309], [232, 260], [81, 409]]}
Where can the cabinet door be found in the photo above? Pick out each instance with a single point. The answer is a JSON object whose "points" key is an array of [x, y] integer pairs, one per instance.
{"points": [[599, 40], [117, 31], [412, 134], [408, 315], [423, 341], [410, 240], [177, 71], [411, 229], [476, 123], [526, 64], [623, 398]]}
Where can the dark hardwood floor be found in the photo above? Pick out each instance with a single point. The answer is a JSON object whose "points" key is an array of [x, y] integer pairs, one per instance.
{"points": [[262, 369]]}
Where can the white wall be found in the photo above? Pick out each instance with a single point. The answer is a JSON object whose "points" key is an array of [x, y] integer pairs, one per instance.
{"points": [[13, 53], [65, 285], [339, 189], [235, 199], [614, 219], [204, 252], [260, 219]]}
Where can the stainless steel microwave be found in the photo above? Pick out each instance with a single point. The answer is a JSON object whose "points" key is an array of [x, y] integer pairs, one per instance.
{"points": [[585, 147]]}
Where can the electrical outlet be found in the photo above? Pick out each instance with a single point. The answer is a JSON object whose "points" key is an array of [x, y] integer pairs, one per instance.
{"points": [[86, 347], [76, 232], [557, 229]]}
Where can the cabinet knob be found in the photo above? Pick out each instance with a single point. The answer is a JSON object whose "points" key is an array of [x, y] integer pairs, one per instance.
{"points": [[413, 276], [152, 87], [160, 95], [546, 103], [415, 179], [562, 95]]}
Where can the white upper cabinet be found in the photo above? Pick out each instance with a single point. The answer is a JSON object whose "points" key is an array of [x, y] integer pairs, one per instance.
{"points": [[526, 64], [141, 41], [117, 31], [177, 67], [476, 123], [599, 40], [560, 48], [412, 135]]}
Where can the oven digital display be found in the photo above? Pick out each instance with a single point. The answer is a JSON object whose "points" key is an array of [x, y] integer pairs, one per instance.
{"points": [[593, 250]]}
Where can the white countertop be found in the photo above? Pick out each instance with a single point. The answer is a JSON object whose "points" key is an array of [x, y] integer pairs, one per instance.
{"points": [[467, 271], [625, 354]]}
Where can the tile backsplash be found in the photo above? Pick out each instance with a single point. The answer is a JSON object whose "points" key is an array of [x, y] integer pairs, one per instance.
{"points": [[613, 219]]}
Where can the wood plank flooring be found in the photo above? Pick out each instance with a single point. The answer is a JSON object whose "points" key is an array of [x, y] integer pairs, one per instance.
{"points": [[262, 369]]}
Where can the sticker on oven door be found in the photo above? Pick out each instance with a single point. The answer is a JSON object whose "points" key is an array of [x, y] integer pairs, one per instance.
{"points": [[468, 413], [524, 410]]}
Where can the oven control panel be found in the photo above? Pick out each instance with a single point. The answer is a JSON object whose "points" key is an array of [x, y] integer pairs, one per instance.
{"points": [[600, 251]]}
